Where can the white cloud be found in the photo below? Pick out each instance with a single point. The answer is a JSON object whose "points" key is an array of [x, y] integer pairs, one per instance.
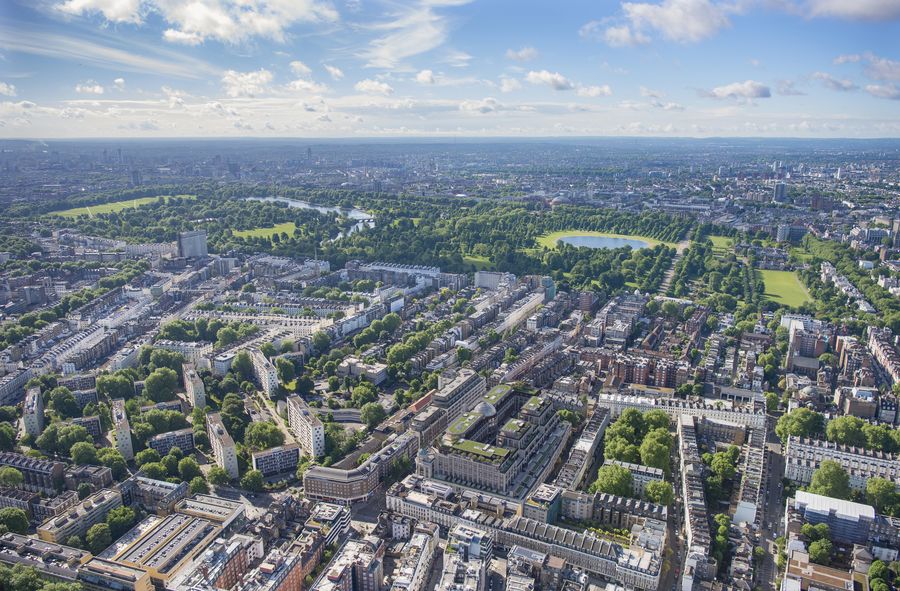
{"points": [[486, 105], [412, 30], [307, 86], [299, 68], [870, 10], [650, 93], [240, 84], [175, 97], [220, 109], [88, 87], [667, 106], [119, 11], [369, 86], [119, 83], [508, 84], [335, 72], [7, 89], [746, 90], [851, 58], [787, 88], [833, 83], [624, 36], [457, 59], [594, 91], [522, 55], [880, 68], [889, 91], [425, 77], [553, 79], [228, 21]]}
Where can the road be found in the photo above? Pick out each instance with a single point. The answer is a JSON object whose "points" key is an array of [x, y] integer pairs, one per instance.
{"points": [[773, 511]]}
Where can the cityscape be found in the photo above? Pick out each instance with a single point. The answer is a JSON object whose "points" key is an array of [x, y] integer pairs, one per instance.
{"points": [[379, 334]]}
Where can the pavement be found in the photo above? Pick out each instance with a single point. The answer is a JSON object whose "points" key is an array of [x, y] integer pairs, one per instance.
{"points": [[773, 511]]}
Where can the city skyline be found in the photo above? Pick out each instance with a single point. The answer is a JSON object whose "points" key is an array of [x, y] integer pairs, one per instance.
{"points": [[448, 68]]}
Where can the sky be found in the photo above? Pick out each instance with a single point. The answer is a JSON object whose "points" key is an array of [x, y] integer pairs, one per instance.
{"points": [[449, 68]]}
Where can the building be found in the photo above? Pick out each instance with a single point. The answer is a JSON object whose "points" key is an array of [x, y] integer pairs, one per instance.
{"points": [[641, 476], [470, 542], [278, 460], [33, 412], [183, 439], [101, 574], [306, 426], [192, 244], [54, 561], [803, 457], [81, 517], [458, 391], [355, 368], [414, 568], [222, 445], [848, 522], [40, 476], [356, 566], [328, 520], [122, 430], [265, 373], [193, 386]]}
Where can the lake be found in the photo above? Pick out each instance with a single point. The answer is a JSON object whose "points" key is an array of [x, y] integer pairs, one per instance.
{"points": [[604, 242]]}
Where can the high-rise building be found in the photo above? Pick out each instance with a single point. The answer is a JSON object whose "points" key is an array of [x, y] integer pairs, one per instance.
{"points": [[193, 386], [779, 193], [33, 412], [122, 430], [306, 426], [192, 244], [222, 444]]}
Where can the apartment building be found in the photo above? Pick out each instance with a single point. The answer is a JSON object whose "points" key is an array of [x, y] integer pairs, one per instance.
{"points": [[414, 569], [306, 426], [33, 412], [328, 520], [264, 372], [356, 566], [81, 517], [458, 391], [40, 476], [803, 457], [121, 434], [222, 444], [278, 460], [193, 352], [641, 476], [194, 389], [183, 439]]}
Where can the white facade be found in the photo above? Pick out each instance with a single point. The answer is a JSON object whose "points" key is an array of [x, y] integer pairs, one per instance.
{"points": [[306, 426], [122, 430], [222, 444]]}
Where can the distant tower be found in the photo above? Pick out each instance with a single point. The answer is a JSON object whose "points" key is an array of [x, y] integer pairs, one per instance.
{"points": [[779, 193], [308, 154]]}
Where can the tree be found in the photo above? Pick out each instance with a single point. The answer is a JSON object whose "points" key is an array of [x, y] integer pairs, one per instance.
{"points": [[7, 437], [63, 402], [120, 521], [363, 394], [722, 466], [83, 453], [242, 366], [656, 419], [878, 570], [263, 435], [114, 386], [830, 480], [252, 481], [84, 491], [161, 384], [880, 493], [198, 486], [613, 479], [820, 552], [285, 369], [800, 422], [98, 538], [372, 414], [217, 475], [660, 492], [656, 449], [846, 430], [10, 477], [321, 341], [155, 470], [772, 401], [188, 469], [146, 456], [619, 449], [569, 416], [15, 520]]}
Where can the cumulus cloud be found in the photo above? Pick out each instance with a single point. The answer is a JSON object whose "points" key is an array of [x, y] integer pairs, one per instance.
{"points": [[833, 83], [747, 90], [880, 68], [299, 68], [594, 91], [7, 89], [486, 105], [681, 21], [369, 86], [787, 88], [425, 77], [554, 80], [624, 36], [246, 84], [307, 86], [850, 58], [335, 72], [885, 91], [88, 87], [508, 84], [119, 83], [228, 21], [522, 55]]}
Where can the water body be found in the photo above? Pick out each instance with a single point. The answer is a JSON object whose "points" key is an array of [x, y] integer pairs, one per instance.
{"points": [[604, 242], [364, 219]]}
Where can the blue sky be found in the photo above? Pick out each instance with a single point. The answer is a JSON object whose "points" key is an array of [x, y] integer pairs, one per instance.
{"points": [[369, 68]]}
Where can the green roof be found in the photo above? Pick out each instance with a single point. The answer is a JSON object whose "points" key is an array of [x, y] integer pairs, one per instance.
{"points": [[534, 403], [515, 426], [487, 451], [497, 393], [461, 425]]}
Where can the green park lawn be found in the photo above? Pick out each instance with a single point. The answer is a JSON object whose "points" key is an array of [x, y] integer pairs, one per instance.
{"points": [[112, 207], [481, 263], [721, 242], [287, 228], [550, 240], [785, 287]]}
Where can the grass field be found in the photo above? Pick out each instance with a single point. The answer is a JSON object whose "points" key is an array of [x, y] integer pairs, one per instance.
{"points": [[287, 227], [481, 263], [92, 210], [721, 242], [785, 287], [550, 240]]}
